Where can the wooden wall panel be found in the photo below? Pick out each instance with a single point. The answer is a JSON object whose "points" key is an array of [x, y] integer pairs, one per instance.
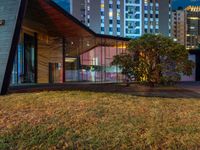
{"points": [[49, 51]]}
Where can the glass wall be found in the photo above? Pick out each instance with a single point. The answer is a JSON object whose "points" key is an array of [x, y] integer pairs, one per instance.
{"points": [[24, 69], [89, 60]]}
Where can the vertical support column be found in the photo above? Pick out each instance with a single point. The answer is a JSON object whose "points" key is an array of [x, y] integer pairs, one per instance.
{"points": [[117, 66], [77, 56], [81, 60], [104, 60], [64, 54], [79, 52], [17, 66], [12, 12], [95, 65], [102, 68], [36, 56]]}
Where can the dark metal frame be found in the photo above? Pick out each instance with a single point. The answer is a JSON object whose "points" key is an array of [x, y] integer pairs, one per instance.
{"points": [[9, 66], [64, 53], [35, 55]]}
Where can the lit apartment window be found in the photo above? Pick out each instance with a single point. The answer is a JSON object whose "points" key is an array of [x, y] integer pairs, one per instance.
{"points": [[102, 17], [118, 14], [102, 5], [110, 14]]}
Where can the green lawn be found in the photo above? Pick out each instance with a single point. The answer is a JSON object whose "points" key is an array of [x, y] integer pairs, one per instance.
{"points": [[87, 120]]}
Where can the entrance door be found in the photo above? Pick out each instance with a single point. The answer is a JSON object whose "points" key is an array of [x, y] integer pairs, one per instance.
{"points": [[55, 74]]}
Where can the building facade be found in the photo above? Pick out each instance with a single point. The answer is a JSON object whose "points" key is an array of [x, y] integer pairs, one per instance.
{"points": [[126, 18], [193, 27], [52, 47], [186, 31], [186, 27], [179, 22]]}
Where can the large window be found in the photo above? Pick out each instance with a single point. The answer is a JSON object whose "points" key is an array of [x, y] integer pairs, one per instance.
{"points": [[89, 60], [24, 68]]}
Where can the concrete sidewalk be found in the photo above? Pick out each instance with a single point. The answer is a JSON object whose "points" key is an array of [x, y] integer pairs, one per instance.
{"points": [[192, 86], [182, 90]]}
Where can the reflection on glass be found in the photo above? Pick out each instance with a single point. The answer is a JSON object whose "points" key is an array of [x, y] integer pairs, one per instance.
{"points": [[24, 64], [29, 59], [89, 60]]}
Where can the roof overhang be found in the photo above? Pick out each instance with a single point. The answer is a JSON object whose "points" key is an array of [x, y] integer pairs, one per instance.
{"points": [[60, 22]]}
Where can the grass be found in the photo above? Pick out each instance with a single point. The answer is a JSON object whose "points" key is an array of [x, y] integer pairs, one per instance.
{"points": [[88, 120]]}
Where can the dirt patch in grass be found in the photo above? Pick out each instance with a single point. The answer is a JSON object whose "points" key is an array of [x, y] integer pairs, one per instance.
{"points": [[87, 120]]}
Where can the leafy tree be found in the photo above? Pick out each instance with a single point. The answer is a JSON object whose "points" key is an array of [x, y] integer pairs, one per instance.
{"points": [[155, 59], [126, 63]]}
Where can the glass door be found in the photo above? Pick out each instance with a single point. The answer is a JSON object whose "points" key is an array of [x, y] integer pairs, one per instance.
{"points": [[29, 59]]}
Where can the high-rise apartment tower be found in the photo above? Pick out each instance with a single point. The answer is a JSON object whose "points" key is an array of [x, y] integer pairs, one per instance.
{"points": [[126, 18], [186, 26]]}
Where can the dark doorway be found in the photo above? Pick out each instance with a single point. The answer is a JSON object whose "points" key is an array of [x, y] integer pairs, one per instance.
{"points": [[55, 74], [29, 59]]}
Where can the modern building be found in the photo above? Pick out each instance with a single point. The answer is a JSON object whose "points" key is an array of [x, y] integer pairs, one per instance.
{"points": [[179, 22], [186, 31], [157, 17], [193, 27], [125, 18], [186, 27], [40, 43]]}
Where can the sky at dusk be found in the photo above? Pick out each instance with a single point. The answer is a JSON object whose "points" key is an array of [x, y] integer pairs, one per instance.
{"points": [[184, 3]]}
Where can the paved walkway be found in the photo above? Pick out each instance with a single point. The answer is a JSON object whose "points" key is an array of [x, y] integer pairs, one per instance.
{"points": [[192, 86], [182, 90]]}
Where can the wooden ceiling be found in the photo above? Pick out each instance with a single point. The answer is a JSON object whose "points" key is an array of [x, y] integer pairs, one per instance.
{"points": [[48, 16], [57, 21]]}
